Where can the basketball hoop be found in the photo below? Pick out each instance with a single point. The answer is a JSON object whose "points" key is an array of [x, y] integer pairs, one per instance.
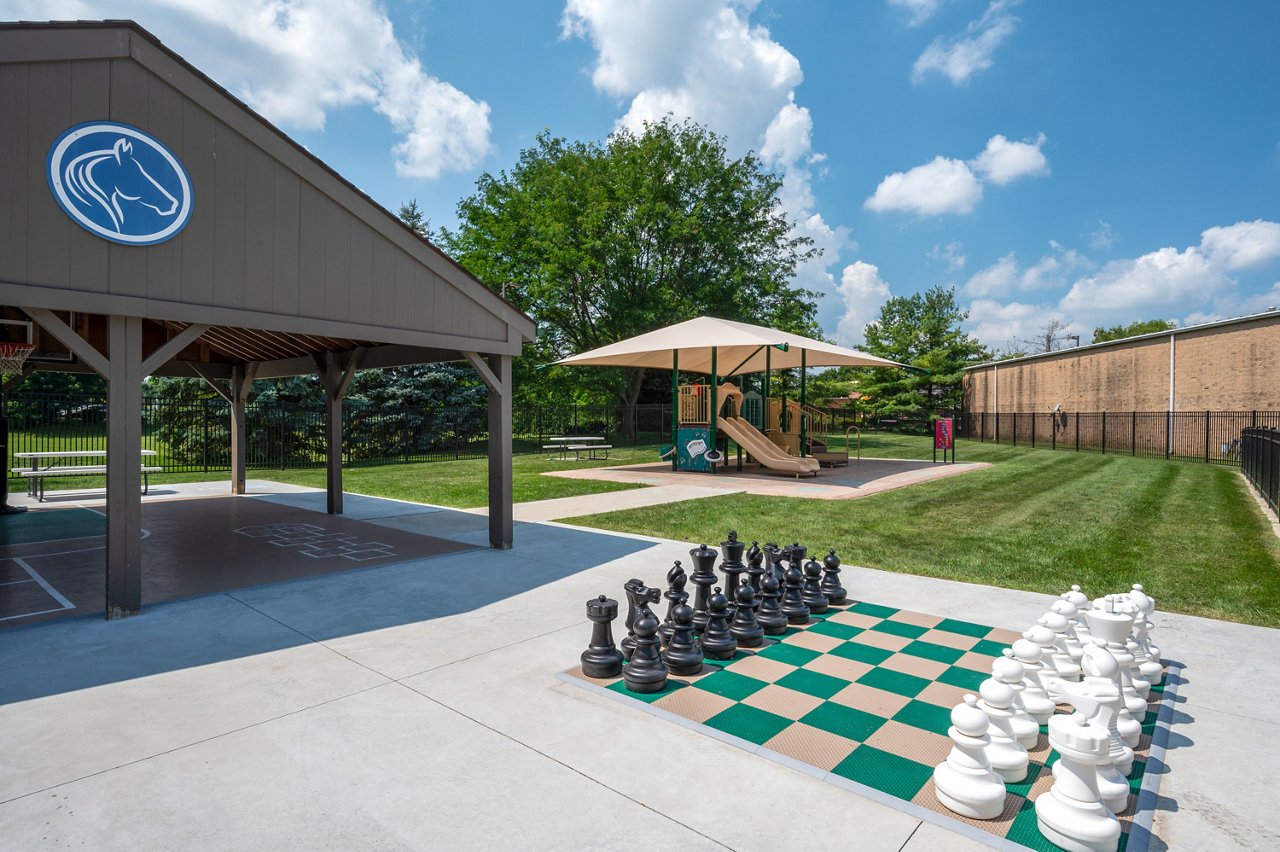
{"points": [[13, 356]]}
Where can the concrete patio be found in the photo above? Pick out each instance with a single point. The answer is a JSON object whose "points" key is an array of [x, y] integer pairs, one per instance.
{"points": [[416, 706]]}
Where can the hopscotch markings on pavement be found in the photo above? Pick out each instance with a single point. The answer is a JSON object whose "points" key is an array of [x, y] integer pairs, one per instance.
{"points": [[317, 542]]}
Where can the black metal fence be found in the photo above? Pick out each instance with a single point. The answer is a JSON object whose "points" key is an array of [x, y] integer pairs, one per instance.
{"points": [[1215, 437], [1260, 462]]}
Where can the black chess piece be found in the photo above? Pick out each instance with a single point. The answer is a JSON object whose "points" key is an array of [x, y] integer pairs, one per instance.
{"points": [[836, 594], [796, 554], [645, 671], [812, 588], [732, 566], [770, 617], [773, 561], [793, 605], [745, 628], [675, 595], [635, 590], [717, 642], [602, 658], [755, 568], [703, 577], [683, 655]]}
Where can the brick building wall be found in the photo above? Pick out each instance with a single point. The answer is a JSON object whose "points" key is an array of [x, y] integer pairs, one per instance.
{"points": [[1231, 366]]}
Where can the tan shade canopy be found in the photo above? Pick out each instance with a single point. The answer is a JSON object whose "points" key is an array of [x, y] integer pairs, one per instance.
{"points": [[740, 349]]}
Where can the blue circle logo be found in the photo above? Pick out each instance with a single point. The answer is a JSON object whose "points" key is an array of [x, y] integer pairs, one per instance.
{"points": [[119, 183]]}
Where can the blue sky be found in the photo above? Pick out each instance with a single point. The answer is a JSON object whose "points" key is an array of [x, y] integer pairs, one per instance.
{"points": [[1093, 162]]}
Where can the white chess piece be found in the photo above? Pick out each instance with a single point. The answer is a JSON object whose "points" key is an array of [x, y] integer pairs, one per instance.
{"points": [[1078, 599], [1067, 610], [1111, 623], [964, 781], [1034, 698], [1068, 667], [1099, 686], [1149, 660], [1009, 671], [1008, 758], [1071, 814]]}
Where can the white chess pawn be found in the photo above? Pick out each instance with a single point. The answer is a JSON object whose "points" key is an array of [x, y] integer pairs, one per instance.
{"points": [[964, 781], [1068, 668], [1077, 598], [1008, 758], [1101, 670], [1152, 668], [1009, 671], [1034, 698], [1071, 814], [1141, 685], [1067, 610]]}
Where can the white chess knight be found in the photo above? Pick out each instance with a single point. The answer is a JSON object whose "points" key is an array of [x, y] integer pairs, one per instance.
{"points": [[1098, 695], [1008, 758], [965, 782], [1034, 698], [1010, 672], [1072, 814]]}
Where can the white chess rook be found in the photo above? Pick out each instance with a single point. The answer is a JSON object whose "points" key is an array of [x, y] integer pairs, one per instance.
{"points": [[964, 781], [1071, 814]]}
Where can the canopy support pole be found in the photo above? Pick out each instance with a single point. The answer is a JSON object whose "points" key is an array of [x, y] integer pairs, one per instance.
{"points": [[675, 410], [764, 401], [714, 386], [804, 419]]}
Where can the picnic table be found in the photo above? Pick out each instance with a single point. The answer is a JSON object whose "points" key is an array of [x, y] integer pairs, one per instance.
{"points": [[577, 444], [36, 474]]}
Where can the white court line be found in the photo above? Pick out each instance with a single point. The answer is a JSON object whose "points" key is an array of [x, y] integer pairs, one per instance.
{"points": [[53, 593]]}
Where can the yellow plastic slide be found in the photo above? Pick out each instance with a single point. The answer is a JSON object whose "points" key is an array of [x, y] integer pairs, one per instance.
{"points": [[763, 450]]}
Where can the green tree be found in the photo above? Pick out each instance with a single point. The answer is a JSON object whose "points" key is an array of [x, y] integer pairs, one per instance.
{"points": [[600, 242], [922, 330], [1115, 332]]}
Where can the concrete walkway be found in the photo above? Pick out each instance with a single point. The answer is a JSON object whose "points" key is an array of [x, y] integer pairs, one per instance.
{"points": [[611, 501], [415, 706]]}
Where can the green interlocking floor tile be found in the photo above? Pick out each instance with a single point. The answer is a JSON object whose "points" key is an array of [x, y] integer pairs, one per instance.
{"points": [[930, 651], [778, 637], [873, 610], [731, 685], [964, 628], [963, 678], [648, 697], [812, 683], [753, 725], [845, 721], [930, 717], [862, 653], [737, 655], [792, 655], [839, 631], [895, 682], [989, 648], [1025, 831], [823, 616], [1149, 720], [886, 772], [897, 628], [1023, 787]]}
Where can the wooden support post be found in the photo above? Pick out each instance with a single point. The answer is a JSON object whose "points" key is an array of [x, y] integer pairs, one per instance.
{"points": [[501, 520], [241, 382], [124, 467]]}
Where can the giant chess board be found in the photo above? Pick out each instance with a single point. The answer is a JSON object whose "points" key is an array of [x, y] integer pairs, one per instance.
{"points": [[862, 696]]}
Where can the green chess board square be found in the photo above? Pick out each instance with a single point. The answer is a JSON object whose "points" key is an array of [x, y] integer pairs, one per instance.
{"points": [[1135, 776], [832, 628], [964, 628], [730, 685], [845, 721], [823, 616], [749, 723], [1025, 831], [989, 648], [812, 683], [884, 771], [874, 610], [930, 717], [898, 628], [778, 637], [862, 653], [792, 655], [737, 655], [895, 682], [930, 651], [1023, 787], [963, 678], [647, 697]]}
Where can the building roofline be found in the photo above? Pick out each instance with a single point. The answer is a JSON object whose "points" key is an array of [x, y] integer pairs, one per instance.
{"points": [[1272, 314]]}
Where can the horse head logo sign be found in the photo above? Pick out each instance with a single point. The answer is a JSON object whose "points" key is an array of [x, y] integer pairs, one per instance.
{"points": [[119, 183]]}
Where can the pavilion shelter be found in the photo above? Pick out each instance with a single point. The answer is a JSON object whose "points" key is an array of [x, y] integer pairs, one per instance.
{"points": [[153, 224]]}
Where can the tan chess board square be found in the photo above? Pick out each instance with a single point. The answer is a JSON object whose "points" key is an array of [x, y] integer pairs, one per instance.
{"points": [[950, 640], [928, 798], [761, 668], [1042, 784], [855, 619], [976, 662], [887, 641], [787, 703], [912, 743], [815, 641], [907, 664], [944, 694], [827, 664], [576, 671], [1040, 751], [878, 702], [919, 619], [1004, 637], [813, 746], [695, 704]]}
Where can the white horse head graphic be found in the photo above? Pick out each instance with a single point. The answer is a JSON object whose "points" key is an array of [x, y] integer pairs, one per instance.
{"points": [[110, 176]]}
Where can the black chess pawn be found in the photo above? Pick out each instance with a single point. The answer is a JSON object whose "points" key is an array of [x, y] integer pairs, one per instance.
{"points": [[683, 655], [745, 628], [703, 577], [755, 567], [812, 589], [836, 594], [602, 659], [770, 617], [645, 671], [732, 566], [675, 595], [793, 605], [717, 642], [635, 590]]}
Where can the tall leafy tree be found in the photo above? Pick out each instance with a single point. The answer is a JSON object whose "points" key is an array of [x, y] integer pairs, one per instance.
{"points": [[923, 330], [1115, 332], [599, 242]]}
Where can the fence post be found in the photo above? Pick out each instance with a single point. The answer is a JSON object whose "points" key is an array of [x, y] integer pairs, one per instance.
{"points": [[1015, 428], [1133, 433], [1033, 430], [1104, 433], [1053, 431], [204, 447], [1077, 431], [1206, 437]]}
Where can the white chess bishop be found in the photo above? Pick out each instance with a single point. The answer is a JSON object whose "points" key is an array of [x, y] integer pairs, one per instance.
{"points": [[964, 781], [1072, 814]]}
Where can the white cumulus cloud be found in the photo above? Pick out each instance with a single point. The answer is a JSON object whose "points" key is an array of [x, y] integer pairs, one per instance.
{"points": [[952, 254], [960, 56], [1006, 276], [942, 185], [1242, 245], [921, 10], [296, 62], [1002, 161], [863, 292]]}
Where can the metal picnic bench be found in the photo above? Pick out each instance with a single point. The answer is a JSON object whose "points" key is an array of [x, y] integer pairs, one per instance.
{"points": [[36, 475], [577, 443]]}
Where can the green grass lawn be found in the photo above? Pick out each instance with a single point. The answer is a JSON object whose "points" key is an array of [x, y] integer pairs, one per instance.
{"points": [[1038, 520]]}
